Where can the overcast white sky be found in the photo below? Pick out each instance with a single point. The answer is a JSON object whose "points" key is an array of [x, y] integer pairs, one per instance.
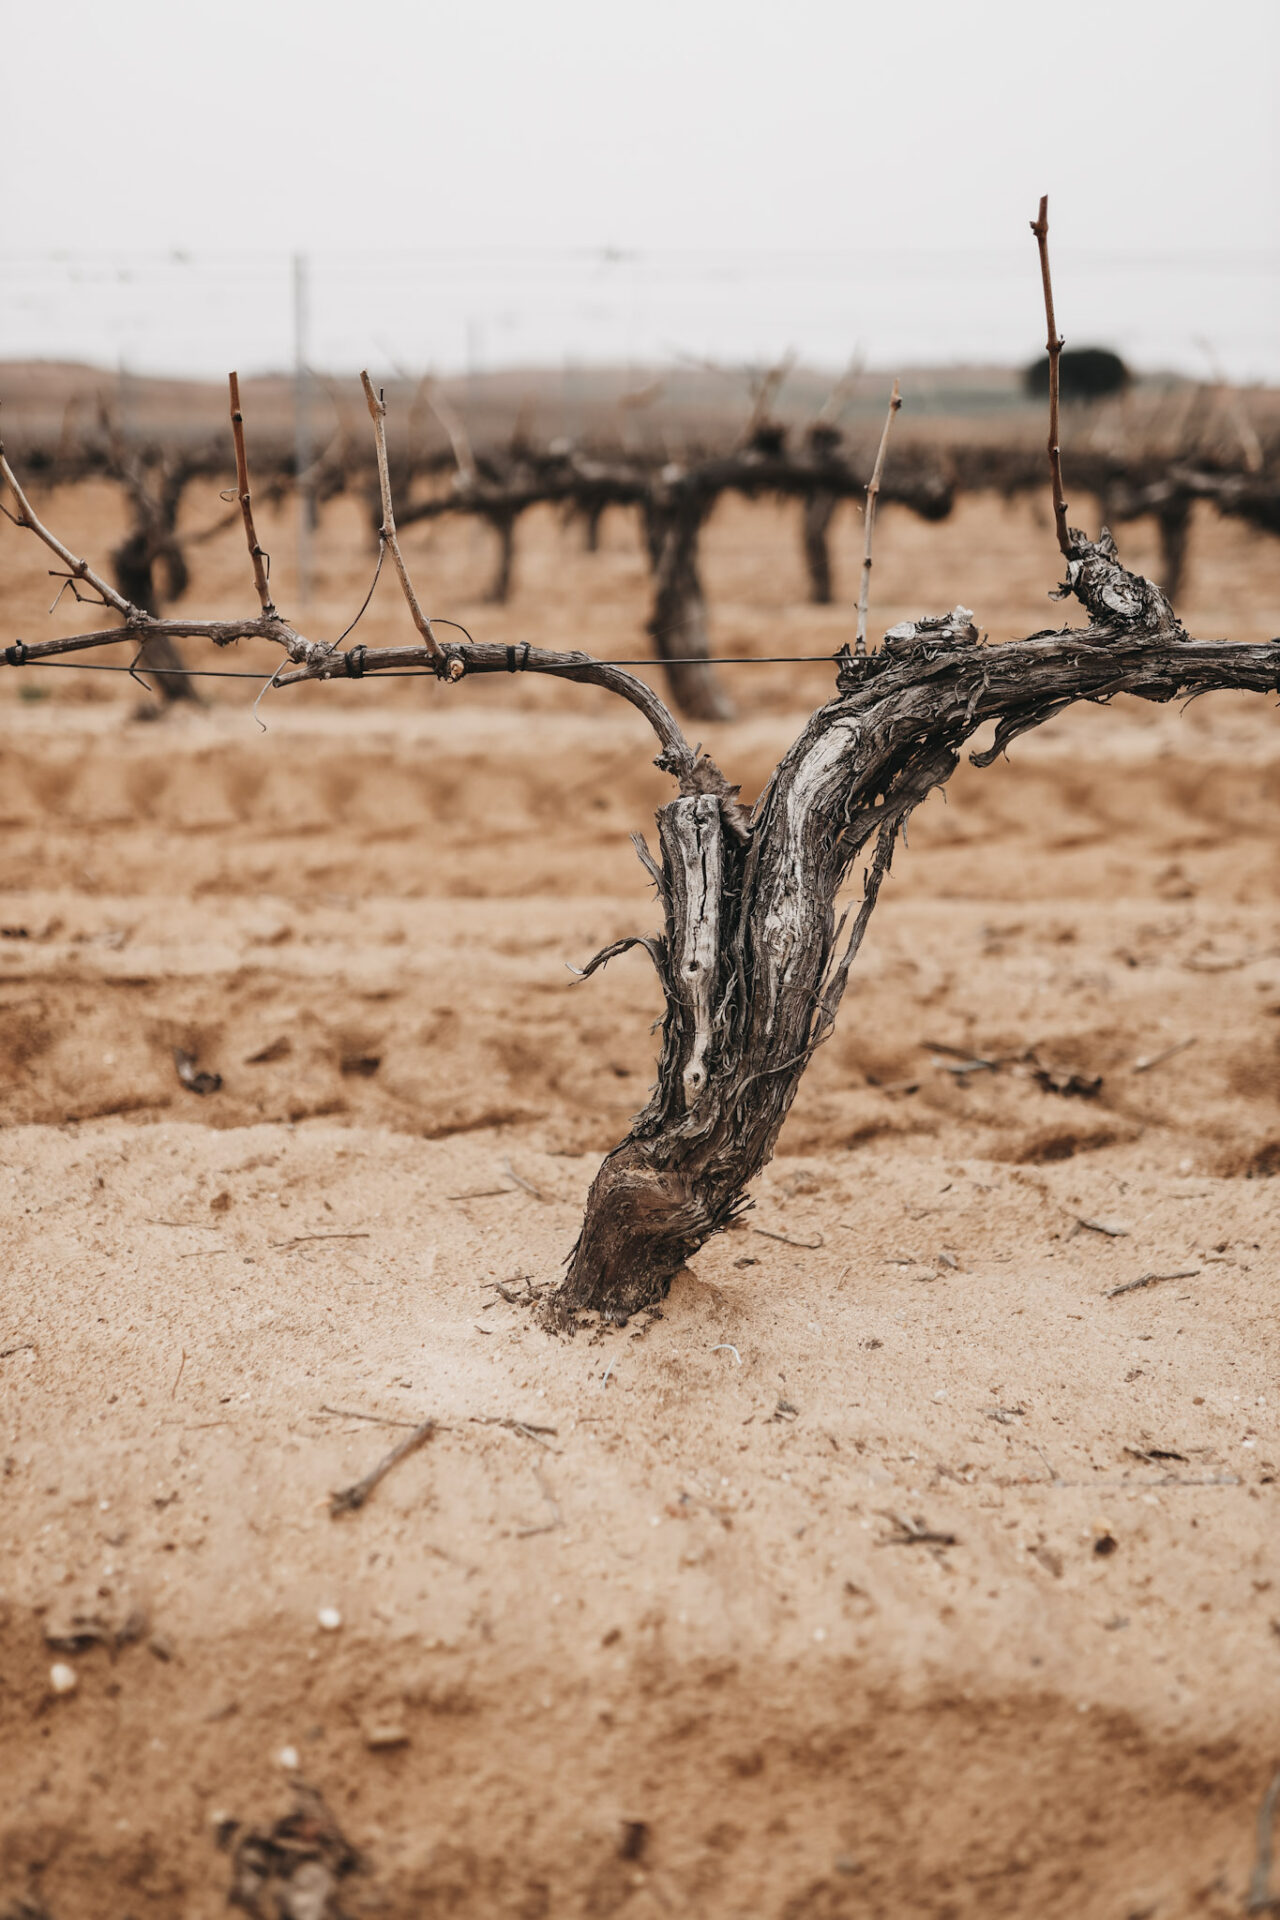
{"points": [[821, 173]]}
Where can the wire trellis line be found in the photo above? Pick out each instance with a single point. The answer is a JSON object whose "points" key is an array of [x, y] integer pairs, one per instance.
{"points": [[425, 673]]}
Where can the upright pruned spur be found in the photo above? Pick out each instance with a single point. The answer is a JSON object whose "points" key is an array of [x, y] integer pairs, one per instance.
{"points": [[752, 958]]}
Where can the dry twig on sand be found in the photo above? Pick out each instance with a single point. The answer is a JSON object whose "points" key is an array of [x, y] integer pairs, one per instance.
{"points": [[1151, 1280], [913, 1532], [788, 1240], [348, 1499]]}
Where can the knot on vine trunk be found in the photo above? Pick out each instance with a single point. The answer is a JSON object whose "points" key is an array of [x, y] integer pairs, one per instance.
{"points": [[911, 640], [936, 634], [1114, 597], [701, 775]]}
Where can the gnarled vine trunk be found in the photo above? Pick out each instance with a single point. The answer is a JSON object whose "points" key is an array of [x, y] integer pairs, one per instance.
{"points": [[153, 543], [819, 508], [751, 961], [678, 622], [503, 522]]}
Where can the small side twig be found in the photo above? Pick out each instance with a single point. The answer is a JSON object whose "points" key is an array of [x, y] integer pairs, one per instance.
{"points": [[869, 522], [77, 569], [1054, 344], [348, 1499], [378, 414], [257, 557]]}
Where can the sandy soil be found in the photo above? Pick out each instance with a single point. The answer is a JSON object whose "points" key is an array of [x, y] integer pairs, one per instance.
{"points": [[902, 1566]]}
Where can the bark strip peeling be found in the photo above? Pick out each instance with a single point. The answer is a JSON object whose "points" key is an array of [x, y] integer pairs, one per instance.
{"points": [[693, 860]]}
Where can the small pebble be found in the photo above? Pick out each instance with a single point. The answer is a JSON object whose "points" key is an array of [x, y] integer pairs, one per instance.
{"points": [[330, 1619], [288, 1758], [62, 1678]]}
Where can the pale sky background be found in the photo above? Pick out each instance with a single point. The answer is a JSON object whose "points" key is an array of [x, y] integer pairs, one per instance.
{"points": [[502, 182]]}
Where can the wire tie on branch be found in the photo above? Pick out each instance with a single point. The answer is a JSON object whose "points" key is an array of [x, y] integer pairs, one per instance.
{"points": [[355, 657], [16, 655]]}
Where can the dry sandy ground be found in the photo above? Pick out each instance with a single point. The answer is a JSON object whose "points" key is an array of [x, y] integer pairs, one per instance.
{"points": [[901, 1566]]}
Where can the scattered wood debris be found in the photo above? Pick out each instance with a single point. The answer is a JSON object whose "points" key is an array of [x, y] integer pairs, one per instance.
{"points": [[518, 1290], [894, 1086], [525, 1428], [1151, 1280], [1223, 963], [547, 1199], [913, 1532], [1064, 1082], [375, 1419], [278, 1049], [961, 1060], [634, 1841], [191, 1077], [1149, 1060], [383, 1736], [789, 1240], [301, 1239], [360, 1066], [293, 1868], [78, 1629]]}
